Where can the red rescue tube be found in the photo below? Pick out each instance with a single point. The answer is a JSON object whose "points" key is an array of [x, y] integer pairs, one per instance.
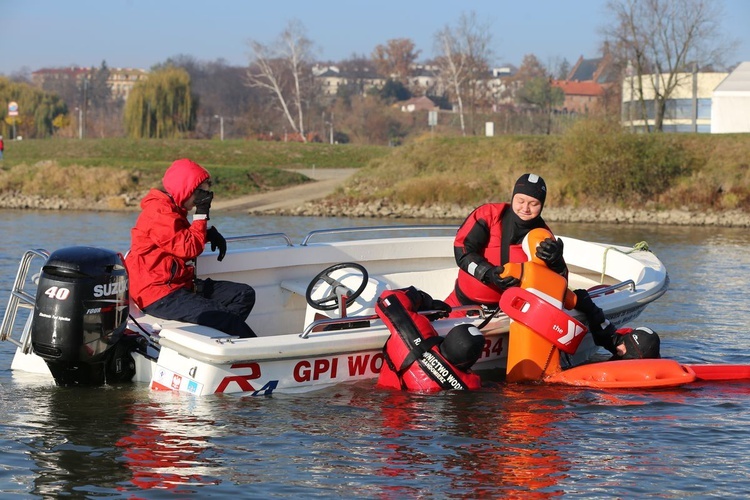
{"points": [[627, 374], [552, 323]]}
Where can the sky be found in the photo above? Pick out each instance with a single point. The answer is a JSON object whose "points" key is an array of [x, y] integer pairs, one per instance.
{"points": [[36, 34]]}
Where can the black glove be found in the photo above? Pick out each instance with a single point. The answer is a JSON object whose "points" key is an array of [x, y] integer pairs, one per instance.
{"points": [[594, 314], [217, 241], [550, 251], [439, 305], [603, 332], [202, 201], [607, 338], [492, 277], [430, 304]]}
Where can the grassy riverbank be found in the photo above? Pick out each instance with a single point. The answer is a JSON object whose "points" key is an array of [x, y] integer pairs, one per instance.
{"points": [[108, 169], [593, 165]]}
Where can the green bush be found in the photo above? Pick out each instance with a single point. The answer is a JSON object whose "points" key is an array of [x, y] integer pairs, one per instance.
{"points": [[603, 162]]}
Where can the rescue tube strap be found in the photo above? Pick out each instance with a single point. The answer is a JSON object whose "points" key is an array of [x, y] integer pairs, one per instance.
{"points": [[465, 300]]}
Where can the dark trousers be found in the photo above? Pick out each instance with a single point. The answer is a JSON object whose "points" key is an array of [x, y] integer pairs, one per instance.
{"points": [[223, 305]]}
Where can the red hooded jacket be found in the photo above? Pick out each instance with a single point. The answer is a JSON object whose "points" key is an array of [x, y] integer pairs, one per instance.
{"points": [[163, 242]]}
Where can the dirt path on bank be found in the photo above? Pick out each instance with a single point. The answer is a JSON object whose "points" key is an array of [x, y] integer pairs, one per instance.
{"points": [[326, 181]]}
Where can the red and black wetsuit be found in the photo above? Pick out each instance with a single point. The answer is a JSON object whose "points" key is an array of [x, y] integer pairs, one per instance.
{"points": [[412, 359], [490, 236]]}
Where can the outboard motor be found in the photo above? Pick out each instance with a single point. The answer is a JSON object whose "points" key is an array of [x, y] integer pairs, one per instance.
{"points": [[80, 315]]}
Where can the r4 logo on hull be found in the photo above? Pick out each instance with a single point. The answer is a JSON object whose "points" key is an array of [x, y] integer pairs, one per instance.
{"points": [[243, 381]]}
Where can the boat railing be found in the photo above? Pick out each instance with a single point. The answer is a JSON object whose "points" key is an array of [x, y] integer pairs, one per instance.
{"points": [[347, 322], [613, 288], [252, 237], [20, 298], [376, 229], [342, 231]]}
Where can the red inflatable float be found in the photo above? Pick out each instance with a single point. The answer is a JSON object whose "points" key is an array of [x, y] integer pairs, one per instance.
{"points": [[721, 372]]}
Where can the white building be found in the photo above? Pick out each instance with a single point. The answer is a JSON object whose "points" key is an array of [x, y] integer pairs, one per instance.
{"points": [[730, 108], [688, 108]]}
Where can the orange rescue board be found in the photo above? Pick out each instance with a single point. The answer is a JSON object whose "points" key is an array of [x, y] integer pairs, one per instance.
{"points": [[627, 374]]}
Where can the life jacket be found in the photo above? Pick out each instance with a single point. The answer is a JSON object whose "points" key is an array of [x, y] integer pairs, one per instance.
{"points": [[413, 361], [469, 289]]}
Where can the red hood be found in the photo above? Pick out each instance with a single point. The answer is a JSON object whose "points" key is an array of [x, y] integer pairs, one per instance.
{"points": [[181, 179]]}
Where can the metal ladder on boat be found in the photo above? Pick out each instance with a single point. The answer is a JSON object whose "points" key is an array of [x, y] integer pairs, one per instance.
{"points": [[20, 298]]}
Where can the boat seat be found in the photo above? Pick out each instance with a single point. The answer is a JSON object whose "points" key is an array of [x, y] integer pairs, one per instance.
{"points": [[295, 286], [139, 321]]}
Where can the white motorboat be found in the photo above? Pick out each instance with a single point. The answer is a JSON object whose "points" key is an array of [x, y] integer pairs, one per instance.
{"points": [[306, 339]]}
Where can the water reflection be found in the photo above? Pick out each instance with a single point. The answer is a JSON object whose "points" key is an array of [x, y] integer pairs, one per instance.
{"points": [[505, 440], [69, 436], [169, 446]]}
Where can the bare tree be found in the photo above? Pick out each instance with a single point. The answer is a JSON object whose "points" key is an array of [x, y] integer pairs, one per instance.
{"points": [[463, 60], [223, 97], [663, 40], [395, 59], [284, 70], [451, 63], [534, 88]]}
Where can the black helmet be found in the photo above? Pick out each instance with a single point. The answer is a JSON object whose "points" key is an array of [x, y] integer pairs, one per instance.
{"points": [[463, 346], [641, 343], [531, 185]]}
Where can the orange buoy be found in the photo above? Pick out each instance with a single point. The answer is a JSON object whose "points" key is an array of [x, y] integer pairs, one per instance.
{"points": [[627, 373], [531, 355]]}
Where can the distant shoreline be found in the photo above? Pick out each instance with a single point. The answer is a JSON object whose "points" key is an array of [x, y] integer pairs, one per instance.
{"points": [[384, 210], [324, 208]]}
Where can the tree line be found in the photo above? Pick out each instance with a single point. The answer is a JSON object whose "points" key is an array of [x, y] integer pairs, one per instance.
{"points": [[277, 97]]}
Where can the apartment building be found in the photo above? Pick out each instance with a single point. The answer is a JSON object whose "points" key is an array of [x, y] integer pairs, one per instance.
{"points": [[121, 80]]}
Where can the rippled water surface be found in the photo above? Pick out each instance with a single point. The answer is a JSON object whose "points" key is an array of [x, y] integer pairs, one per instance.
{"points": [[353, 441]]}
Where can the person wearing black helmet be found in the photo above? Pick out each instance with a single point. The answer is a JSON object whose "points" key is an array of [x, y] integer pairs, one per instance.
{"points": [[625, 343], [415, 357], [492, 236]]}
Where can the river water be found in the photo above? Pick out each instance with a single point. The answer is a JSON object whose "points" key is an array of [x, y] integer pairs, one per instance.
{"points": [[352, 441]]}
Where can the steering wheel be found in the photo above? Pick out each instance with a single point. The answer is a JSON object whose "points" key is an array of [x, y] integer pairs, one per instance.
{"points": [[331, 301]]}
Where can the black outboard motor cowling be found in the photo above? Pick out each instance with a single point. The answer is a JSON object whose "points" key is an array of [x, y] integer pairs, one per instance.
{"points": [[81, 312]]}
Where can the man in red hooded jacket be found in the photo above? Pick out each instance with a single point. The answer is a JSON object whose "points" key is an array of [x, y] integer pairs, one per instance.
{"points": [[163, 248]]}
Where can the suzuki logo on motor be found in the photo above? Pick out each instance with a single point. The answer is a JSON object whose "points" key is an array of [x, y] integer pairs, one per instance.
{"points": [[110, 289]]}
